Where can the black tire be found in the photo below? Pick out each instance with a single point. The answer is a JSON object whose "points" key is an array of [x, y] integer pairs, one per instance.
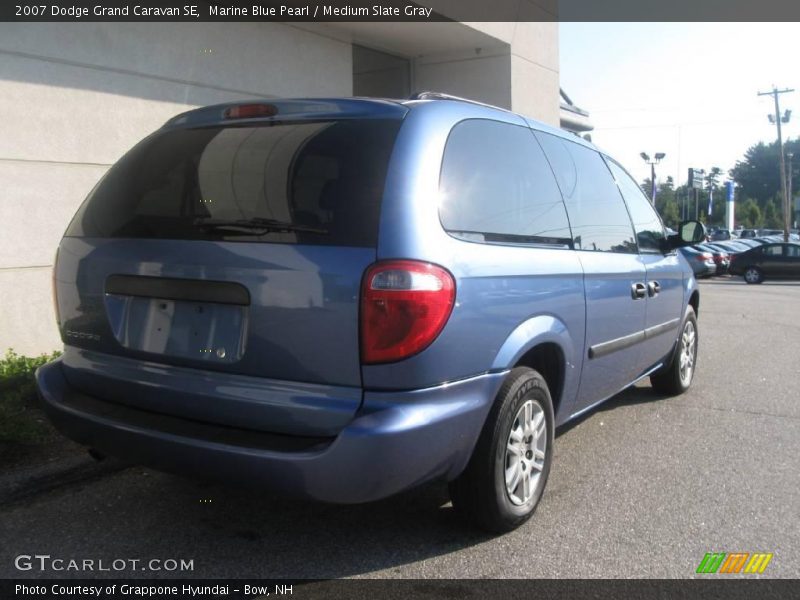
{"points": [[672, 379], [753, 275], [479, 494]]}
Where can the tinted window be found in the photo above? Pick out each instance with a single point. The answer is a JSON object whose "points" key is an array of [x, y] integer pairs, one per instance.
{"points": [[648, 227], [596, 211], [325, 180], [496, 185], [793, 251], [773, 250]]}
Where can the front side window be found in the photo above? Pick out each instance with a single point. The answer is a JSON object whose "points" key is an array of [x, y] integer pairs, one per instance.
{"points": [[597, 213], [496, 186], [646, 223]]}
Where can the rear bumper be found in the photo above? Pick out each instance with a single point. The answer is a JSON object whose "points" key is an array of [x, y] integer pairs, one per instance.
{"points": [[396, 441]]}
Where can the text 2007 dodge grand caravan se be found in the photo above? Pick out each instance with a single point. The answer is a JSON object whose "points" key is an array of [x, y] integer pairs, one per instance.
{"points": [[345, 298]]}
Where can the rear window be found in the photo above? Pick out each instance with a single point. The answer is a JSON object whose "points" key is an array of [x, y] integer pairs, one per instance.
{"points": [[309, 183]]}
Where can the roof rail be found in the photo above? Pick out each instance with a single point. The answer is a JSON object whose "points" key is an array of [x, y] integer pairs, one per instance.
{"points": [[428, 95]]}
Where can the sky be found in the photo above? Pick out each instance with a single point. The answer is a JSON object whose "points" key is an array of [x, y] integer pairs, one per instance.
{"points": [[686, 89]]}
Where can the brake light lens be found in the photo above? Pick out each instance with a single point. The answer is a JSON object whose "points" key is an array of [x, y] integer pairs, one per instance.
{"points": [[250, 111], [404, 306]]}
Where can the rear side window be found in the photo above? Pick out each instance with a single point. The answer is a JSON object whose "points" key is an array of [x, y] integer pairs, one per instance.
{"points": [[315, 183], [598, 216], [496, 186], [646, 223]]}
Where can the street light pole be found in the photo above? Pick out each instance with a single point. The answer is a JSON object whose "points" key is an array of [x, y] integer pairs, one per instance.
{"points": [[778, 119], [656, 159]]}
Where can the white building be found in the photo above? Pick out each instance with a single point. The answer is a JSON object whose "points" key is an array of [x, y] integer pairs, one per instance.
{"points": [[75, 96]]}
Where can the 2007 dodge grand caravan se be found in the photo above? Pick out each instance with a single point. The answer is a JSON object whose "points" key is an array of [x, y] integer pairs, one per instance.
{"points": [[345, 298]]}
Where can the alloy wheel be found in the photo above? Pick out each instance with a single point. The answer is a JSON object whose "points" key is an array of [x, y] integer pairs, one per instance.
{"points": [[525, 452]]}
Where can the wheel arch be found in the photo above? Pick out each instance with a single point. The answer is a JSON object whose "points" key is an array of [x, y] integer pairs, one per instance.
{"points": [[543, 343], [694, 302]]}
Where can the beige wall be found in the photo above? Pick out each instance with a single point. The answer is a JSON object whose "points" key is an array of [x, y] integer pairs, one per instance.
{"points": [[75, 96], [513, 65]]}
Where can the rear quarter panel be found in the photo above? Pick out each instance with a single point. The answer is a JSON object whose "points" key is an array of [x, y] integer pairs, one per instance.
{"points": [[508, 298]]}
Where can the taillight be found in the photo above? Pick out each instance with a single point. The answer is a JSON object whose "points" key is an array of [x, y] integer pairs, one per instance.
{"points": [[55, 290], [404, 306]]}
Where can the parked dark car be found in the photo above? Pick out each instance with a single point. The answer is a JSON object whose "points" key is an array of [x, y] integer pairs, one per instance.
{"points": [[345, 298], [739, 245], [771, 261], [720, 235], [732, 246], [701, 261], [721, 257], [748, 233], [770, 232]]}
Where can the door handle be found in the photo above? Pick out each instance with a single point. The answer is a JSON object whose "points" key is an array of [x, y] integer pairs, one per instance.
{"points": [[653, 287], [638, 291]]}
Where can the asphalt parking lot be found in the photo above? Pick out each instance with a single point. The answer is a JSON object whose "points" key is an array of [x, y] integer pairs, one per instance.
{"points": [[641, 487]]}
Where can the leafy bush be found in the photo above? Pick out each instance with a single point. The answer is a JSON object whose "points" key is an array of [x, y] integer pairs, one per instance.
{"points": [[20, 421]]}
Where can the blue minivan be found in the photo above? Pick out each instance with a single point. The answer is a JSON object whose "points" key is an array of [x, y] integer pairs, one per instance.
{"points": [[345, 298]]}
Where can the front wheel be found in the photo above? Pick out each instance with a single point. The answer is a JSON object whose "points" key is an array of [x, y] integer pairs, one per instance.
{"points": [[677, 377], [753, 275], [504, 480]]}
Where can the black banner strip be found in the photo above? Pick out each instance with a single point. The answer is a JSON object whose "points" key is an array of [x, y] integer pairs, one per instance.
{"points": [[307, 11], [713, 587]]}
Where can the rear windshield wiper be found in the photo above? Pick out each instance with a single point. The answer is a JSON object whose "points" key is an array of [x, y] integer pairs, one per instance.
{"points": [[255, 226]]}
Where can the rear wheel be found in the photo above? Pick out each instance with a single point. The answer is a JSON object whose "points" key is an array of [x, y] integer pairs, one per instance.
{"points": [[753, 275], [501, 487], [677, 377]]}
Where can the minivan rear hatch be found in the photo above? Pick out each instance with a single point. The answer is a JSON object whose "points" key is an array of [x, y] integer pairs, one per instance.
{"points": [[231, 242]]}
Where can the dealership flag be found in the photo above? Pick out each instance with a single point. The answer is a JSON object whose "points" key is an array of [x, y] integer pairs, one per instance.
{"points": [[710, 201]]}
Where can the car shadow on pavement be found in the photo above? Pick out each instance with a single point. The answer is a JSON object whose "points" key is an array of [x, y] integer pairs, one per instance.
{"points": [[639, 394], [240, 532]]}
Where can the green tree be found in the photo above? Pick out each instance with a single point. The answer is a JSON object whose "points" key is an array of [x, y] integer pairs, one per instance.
{"points": [[749, 213], [667, 203], [713, 177], [670, 213], [758, 174], [773, 218]]}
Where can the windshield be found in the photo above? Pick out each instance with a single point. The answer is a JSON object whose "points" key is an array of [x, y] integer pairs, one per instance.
{"points": [[317, 183]]}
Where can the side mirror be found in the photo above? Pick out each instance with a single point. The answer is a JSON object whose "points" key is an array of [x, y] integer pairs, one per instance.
{"points": [[689, 233], [692, 232]]}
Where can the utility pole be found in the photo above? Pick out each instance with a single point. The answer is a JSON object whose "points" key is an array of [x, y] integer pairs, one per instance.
{"points": [[778, 119], [789, 155]]}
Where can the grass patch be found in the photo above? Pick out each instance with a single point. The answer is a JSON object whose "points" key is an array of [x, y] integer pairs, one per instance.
{"points": [[21, 422]]}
